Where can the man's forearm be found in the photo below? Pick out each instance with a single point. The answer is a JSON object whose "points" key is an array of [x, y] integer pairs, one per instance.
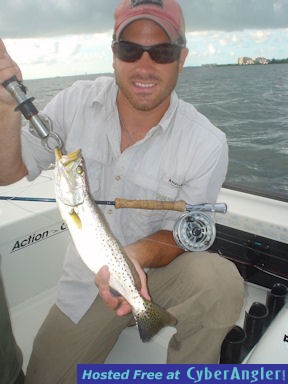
{"points": [[156, 250], [12, 166]]}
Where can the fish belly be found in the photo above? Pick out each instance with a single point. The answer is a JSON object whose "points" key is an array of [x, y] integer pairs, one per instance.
{"points": [[98, 247]]}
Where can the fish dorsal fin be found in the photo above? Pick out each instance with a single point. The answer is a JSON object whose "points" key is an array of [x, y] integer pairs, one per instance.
{"points": [[76, 219]]}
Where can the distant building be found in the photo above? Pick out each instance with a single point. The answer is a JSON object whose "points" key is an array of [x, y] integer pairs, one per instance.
{"points": [[245, 61], [249, 61], [261, 60]]}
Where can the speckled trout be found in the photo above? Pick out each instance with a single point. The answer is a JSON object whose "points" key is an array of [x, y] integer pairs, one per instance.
{"points": [[96, 244]]}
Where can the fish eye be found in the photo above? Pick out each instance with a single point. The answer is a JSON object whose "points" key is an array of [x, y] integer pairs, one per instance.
{"points": [[79, 170]]}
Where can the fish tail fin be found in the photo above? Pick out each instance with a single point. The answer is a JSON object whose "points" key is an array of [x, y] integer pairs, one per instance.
{"points": [[152, 319]]}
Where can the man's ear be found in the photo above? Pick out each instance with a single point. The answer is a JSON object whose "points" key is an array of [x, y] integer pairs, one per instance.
{"points": [[113, 62], [182, 59]]}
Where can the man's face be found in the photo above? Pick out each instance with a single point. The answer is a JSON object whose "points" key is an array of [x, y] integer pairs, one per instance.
{"points": [[145, 84]]}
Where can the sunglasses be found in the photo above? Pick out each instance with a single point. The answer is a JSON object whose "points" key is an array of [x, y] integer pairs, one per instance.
{"points": [[161, 53]]}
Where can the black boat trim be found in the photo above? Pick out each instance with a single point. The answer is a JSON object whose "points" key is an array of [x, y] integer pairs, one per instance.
{"points": [[258, 192], [260, 260]]}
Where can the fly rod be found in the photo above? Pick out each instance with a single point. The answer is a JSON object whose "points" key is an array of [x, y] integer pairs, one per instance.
{"points": [[179, 205]]}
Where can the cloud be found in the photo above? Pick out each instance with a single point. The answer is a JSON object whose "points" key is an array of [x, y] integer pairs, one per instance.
{"points": [[38, 18], [66, 37], [65, 55], [260, 37], [232, 15]]}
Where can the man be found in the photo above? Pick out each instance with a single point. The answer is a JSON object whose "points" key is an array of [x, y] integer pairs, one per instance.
{"points": [[140, 142]]}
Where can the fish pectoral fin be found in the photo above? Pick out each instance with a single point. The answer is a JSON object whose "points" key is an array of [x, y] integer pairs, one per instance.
{"points": [[154, 318], [76, 219], [114, 292]]}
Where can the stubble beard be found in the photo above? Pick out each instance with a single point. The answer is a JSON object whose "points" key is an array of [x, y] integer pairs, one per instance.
{"points": [[144, 104]]}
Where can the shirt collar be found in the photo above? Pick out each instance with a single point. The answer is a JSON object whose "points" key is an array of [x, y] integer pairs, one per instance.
{"points": [[170, 113], [107, 92]]}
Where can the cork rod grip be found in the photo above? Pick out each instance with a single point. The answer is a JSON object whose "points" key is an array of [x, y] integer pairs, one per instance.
{"points": [[151, 204]]}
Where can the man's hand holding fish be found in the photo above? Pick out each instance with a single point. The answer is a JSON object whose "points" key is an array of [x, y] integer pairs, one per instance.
{"points": [[116, 302]]}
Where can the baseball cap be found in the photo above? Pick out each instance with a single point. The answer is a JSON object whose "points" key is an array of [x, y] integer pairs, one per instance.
{"points": [[166, 13]]}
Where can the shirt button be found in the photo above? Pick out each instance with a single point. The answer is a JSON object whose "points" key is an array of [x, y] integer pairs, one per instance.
{"points": [[118, 178], [110, 211]]}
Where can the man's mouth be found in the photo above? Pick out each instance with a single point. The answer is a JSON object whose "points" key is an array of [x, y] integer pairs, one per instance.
{"points": [[144, 85]]}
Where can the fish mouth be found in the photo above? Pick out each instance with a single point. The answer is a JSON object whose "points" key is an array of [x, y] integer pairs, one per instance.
{"points": [[69, 158], [58, 153], [69, 177]]}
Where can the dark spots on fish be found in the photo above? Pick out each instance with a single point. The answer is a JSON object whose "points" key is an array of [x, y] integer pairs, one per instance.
{"points": [[154, 318]]}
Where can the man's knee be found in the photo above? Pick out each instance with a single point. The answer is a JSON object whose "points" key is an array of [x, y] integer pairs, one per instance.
{"points": [[226, 292], [219, 285]]}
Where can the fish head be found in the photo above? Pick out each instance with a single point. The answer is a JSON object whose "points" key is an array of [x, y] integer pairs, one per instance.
{"points": [[70, 178]]}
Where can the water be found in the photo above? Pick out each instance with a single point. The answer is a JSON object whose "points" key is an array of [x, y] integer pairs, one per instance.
{"points": [[249, 103]]}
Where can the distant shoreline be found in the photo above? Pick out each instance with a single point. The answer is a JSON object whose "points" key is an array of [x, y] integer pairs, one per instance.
{"points": [[243, 65], [211, 65]]}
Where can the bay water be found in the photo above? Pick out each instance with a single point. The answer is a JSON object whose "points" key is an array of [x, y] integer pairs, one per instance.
{"points": [[249, 103]]}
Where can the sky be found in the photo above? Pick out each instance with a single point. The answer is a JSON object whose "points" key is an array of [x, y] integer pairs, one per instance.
{"points": [[73, 37]]}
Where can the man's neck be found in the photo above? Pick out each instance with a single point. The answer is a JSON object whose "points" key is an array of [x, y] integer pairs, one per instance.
{"points": [[138, 122]]}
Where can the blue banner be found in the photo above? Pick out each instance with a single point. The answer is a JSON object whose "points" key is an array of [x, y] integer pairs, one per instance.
{"points": [[182, 374]]}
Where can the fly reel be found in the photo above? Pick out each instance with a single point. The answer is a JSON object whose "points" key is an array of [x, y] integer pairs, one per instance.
{"points": [[194, 231]]}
